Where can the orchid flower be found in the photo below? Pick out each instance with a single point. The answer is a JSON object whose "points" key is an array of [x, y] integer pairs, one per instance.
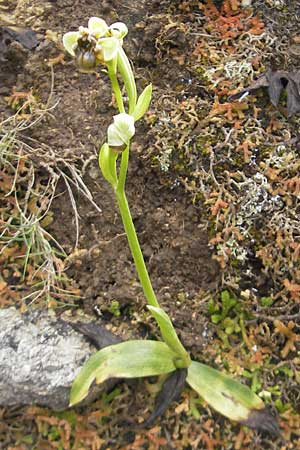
{"points": [[96, 44]]}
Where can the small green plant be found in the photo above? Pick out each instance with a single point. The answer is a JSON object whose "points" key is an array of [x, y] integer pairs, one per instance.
{"points": [[102, 44], [114, 308], [229, 316]]}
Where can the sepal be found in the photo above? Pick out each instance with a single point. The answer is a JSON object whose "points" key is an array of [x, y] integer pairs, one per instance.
{"points": [[121, 130]]}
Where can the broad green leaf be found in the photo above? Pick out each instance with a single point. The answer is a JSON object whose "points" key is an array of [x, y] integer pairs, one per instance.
{"points": [[130, 359], [169, 336], [107, 163], [227, 396], [143, 103]]}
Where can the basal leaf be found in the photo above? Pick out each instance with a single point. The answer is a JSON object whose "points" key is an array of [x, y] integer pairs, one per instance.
{"points": [[131, 359], [227, 396]]}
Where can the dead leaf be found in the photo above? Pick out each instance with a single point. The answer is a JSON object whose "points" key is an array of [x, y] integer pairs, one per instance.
{"points": [[291, 337], [294, 289], [220, 204], [276, 82]]}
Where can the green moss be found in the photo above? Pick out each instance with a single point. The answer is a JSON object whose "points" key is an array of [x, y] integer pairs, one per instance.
{"points": [[227, 314]]}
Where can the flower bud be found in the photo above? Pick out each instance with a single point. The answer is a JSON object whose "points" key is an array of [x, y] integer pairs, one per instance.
{"points": [[120, 131]]}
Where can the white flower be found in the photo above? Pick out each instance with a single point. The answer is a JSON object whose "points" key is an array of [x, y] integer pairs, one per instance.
{"points": [[121, 130], [98, 43]]}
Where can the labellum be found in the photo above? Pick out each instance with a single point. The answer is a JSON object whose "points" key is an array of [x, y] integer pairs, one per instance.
{"points": [[85, 60]]}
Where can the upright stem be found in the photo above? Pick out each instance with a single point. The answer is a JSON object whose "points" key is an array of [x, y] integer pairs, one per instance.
{"points": [[123, 170], [116, 88], [168, 332], [120, 191], [125, 154], [136, 249]]}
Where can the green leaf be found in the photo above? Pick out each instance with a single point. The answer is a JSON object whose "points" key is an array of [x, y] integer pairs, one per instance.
{"points": [[143, 103], [170, 337], [227, 396], [130, 359], [107, 163], [227, 302], [212, 307], [128, 78], [216, 318], [266, 301], [225, 297], [231, 326]]}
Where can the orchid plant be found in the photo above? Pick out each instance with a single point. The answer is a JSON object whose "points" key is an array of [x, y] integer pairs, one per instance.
{"points": [[100, 44]]}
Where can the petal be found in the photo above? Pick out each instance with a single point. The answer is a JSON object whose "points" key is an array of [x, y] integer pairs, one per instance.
{"points": [[83, 31], [121, 131], [125, 125], [97, 26], [113, 137], [118, 30], [70, 41], [86, 61], [110, 46]]}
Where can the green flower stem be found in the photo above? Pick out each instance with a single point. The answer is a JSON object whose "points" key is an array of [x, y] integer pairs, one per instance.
{"points": [[120, 190], [116, 87], [123, 170], [167, 329], [125, 154], [136, 249]]}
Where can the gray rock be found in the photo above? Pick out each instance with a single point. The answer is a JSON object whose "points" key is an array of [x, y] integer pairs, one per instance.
{"points": [[40, 356]]}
